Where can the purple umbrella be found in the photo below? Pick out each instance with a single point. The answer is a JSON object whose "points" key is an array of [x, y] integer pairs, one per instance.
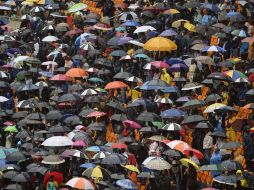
{"points": [[124, 40], [178, 67]]}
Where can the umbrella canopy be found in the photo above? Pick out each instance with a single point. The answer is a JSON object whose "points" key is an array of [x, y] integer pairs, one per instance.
{"points": [[57, 141], [80, 183], [158, 164], [77, 7], [172, 127], [76, 73], [115, 85], [114, 159], [160, 44], [126, 184]]}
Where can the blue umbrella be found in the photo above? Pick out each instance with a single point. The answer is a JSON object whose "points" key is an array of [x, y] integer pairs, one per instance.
{"points": [[113, 41], [173, 61], [172, 113], [211, 7], [46, 74], [130, 23], [235, 17], [95, 79], [168, 32], [93, 149], [4, 20], [126, 184], [87, 165], [155, 84], [213, 49], [124, 40], [170, 89]]}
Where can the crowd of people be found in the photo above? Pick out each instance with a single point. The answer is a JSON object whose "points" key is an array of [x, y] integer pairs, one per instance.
{"points": [[133, 95]]}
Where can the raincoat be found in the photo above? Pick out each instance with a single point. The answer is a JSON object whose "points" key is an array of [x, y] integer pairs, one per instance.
{"points": [[165, 76]]}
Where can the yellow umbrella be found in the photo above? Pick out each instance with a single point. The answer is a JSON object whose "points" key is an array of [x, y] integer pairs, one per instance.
{"points": [[40, 2], [186, 162], [95, 172], [132, 168], [171, 11], [160, 44], [178, 23], [189, 27], [213, 107]]}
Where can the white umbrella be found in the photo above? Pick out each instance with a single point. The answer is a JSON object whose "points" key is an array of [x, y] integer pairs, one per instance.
{"points": [[49, 27], [172, 127], [50, 39], [6, 38], [88, 92], [5, 8], [144, 29], [133, 6], [158, 164], [3, 99], [87, 47], [92, 70], [137, 43], [49, 63], [147, 66], [52, 160], [3, 75], [26, 17], [20, 59], [57, 141], [41, 84], [134, 79], [164, 101], [37, 9], [127, 16]]}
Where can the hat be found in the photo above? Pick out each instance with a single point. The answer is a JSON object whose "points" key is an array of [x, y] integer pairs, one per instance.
{"points": [[239, 172]]}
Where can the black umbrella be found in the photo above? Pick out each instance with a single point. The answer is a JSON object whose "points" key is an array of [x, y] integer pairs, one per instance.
{"points": [[114, 158], [148, 116], [4, 84], [68, 98], [219, 134], [250, 92], [116, 105], [148, 129], [85, 112], [212, 98], [212, 167], [146, 175], [117, 176], [190, 4], [203, 125], [113, 41], [18, 115], [15, 157], [231, 165], [230, 145], [28, 87], [172, 153], [72, 120], [54, 115], [119, 117], [35, 116], [122, 75], [220, 76], [22, 177], [14, 187], [193, 119], [93, 99], [207, 81], [8, 167], [127, 139], [193, 104], [59, 129], [27, 146], [22, 135], [10, 174]]}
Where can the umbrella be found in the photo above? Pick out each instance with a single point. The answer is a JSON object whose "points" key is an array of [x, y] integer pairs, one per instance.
{"points": [[60, 77], [126, 184], [118, 53], [168, 32], [212, 167], [50, 39], [89, 92], [160, 44], [219, 134], [10, 174], [114, 159], [213, 49], [203, 125], [191, 86], [11, 129], [132, 168], [186, 162], [178, 145], [15, 156], [190, 4], [76, 72], [58, 177], [172, 127], [58, 129], [214, 107], [52, 160], [192, 104], [158, 164], [231, 165], [230, 145], [54, 115], [80, 183], [77, 7], [130, 23], [144, 29], [155, 84], [235, 17], [190, 27], [148, 116], [13, 187], [219, 76], [131, 124], [193, 119], [164, 101], [116, 105], [226, 179], [96, 172], [22, 177], [118, 145], [68, 98], [96, 114], [211, 7], [160, 64], [172, 113], [115, 85], [18, 115], [57, 141], [172, 153], [119, 117], [27, 87], [234, 74], [122, 75], [212, 98], [195, 152]]}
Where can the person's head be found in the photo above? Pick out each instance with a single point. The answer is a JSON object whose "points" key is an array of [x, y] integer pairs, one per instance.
{"points": [[51, 178], [239, 173], [193, 61]]}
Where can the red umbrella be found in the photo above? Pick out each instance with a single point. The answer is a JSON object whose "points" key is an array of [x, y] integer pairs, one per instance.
{"points": [[96, 114], [60, 77], [58, 177], [160, 64], [132, 124], [119, 145], [196, 152]]}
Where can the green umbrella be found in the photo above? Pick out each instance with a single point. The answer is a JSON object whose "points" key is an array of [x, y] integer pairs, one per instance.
{"points": [[96, 79], [158, 124], [141, 55], [11, 128]]}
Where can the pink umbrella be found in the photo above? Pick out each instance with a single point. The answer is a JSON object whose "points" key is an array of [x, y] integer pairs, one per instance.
{"points": [[160, 64], [79, 143], [7, 123], [79, 127], [132, 124]]}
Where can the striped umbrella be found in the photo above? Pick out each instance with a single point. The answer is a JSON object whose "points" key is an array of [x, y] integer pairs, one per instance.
{"points": [[172, 127], [80, 183], [178, 145]]}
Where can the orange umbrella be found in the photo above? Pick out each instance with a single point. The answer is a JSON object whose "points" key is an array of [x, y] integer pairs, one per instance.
{"points": [[115, 84], [249, 106], [76, 72], [60, 77], [171, 11]]}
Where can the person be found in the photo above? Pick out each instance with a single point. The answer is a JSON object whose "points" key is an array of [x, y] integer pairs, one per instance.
{"points": [[243, 181], [207, 145], [165, 76], [52, 185], [192, 70]]}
